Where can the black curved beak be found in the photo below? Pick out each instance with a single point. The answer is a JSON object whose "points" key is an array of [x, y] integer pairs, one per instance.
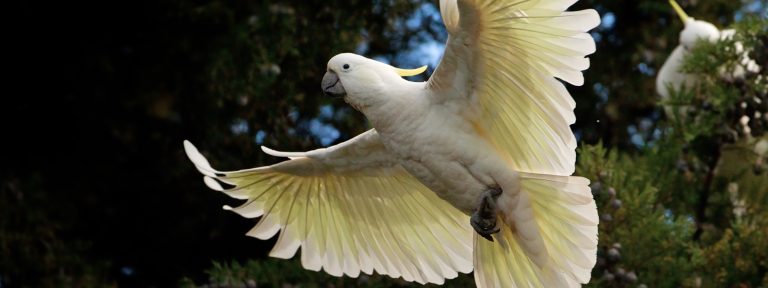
{"points": [[332, 85]]}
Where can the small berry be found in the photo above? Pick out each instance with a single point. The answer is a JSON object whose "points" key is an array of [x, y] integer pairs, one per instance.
{"points": [[613, 254], [631, 277], [608, 277], [758, 168], [616, 203], [596, 187]]}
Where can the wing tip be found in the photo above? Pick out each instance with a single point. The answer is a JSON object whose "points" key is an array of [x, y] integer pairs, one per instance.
{"points": [[190, 150], [269, 151], [213, 184], [290, 155], [596, 20], [198, 159]]}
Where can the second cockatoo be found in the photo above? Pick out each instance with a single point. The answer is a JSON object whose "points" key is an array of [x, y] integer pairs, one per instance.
{"points": [[469, 170], [671, 77]]}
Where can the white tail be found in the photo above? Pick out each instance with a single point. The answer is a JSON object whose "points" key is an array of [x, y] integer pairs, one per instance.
{"points": [[548, 237]]}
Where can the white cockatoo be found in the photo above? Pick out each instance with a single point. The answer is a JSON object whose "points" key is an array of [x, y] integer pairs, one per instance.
{"points": [[467, 171], [670, 76]]}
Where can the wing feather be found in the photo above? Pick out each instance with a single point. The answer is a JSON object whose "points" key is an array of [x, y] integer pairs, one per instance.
{"points": [[502, 59], [566, 217], [350, 209]]}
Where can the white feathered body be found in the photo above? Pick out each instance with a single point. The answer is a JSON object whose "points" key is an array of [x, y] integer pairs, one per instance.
{"points": [[670, 75], [443, 151]]}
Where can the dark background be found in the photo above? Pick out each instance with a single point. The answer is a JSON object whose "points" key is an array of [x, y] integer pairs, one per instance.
{"points": [[99, 96]]}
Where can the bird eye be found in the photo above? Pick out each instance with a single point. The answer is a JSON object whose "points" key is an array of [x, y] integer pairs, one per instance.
{"points": [[346, 66]]}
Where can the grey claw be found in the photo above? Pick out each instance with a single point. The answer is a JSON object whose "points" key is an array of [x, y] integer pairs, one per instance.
{"points": [[487, 237], [484, 219], [483, 227]]}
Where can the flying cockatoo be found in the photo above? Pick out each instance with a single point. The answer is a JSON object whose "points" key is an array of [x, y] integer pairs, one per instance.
{"points": [[467, 171], [670, 76]]}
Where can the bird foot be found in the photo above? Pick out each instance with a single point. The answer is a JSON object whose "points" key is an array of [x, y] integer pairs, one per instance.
{"points": [[484, 219]]}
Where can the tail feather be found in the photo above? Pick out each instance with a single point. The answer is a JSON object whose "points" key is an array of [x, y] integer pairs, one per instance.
{"points": [[563, 217]]}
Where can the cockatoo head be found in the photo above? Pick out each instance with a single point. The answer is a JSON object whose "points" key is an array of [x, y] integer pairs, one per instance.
{"points": [[694, 30], [362, 81]]}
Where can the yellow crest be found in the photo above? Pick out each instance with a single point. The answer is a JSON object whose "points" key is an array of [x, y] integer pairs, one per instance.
{"points": [[411, 72], [679, 11]]}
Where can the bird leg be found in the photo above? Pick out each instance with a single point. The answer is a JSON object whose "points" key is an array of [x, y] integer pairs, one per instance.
{"points": [[484, 219]]}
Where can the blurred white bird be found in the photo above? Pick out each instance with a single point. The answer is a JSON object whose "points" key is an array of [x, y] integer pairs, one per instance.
{"points": [[484, 144], [670, 76]]}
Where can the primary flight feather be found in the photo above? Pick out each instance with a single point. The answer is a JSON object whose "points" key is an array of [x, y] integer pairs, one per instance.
{"points": [[467, 171]]}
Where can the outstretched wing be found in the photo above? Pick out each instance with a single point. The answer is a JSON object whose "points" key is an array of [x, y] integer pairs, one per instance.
{"points": [[351, 208], [501, 60]]}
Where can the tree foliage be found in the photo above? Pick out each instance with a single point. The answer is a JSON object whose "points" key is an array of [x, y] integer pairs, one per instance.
{"points": [[689, 210]]}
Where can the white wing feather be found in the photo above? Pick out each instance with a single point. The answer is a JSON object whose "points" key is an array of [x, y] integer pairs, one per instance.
{"points": [[351, 209], [501, 61]]}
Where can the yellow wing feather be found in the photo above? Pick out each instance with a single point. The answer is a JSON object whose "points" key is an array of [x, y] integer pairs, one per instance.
{"points": [[507, 54], [566, 217], [371, 219], [502, 60]]}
